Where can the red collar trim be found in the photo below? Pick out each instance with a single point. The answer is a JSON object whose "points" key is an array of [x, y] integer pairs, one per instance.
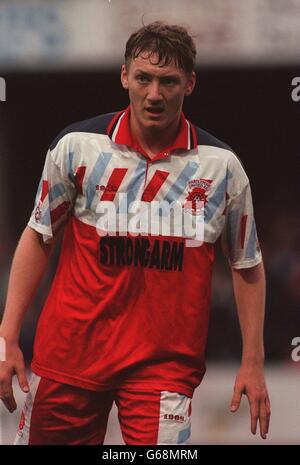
{"points": [[119, 132]]}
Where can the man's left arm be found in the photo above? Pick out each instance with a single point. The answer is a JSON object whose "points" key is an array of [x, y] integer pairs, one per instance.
{"points": [[249, 290]]}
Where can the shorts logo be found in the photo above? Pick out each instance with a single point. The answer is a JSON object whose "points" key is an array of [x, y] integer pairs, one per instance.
{"points": [[177, 418], [197, 196]]}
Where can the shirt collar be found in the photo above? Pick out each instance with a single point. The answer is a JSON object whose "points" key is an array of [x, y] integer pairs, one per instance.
{"points": [[119, 132]]}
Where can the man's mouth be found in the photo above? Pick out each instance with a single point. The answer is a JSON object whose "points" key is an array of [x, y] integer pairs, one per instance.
{"points": [[155, 110]]}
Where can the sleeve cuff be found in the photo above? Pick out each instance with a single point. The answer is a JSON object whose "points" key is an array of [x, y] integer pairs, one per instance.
{"points": [[249, 263], [43, 230]]}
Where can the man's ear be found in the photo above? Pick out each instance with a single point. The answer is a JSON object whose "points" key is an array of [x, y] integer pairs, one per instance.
{"points": [[124, 78], [190, 84]]}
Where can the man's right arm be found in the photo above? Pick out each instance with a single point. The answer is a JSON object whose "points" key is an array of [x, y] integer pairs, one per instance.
{"points": [[29, 263]]}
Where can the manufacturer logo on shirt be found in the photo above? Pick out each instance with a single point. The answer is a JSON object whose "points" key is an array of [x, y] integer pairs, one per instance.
{"points": [[197, 196], [108, 187]]}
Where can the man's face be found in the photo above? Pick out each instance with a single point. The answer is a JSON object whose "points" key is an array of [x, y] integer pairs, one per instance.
{"points": [[156, 93]]}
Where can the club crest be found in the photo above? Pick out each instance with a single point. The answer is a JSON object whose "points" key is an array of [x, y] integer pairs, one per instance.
{"points": [[197, 196]]}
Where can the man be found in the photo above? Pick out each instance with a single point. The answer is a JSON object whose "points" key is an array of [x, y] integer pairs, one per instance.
{"points": [[126, 318]]}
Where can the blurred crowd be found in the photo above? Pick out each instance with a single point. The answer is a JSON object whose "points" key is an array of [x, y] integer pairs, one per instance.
{"points": [[280, 244]]}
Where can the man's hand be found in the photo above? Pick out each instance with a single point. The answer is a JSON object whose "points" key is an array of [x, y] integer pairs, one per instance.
{"points": [[29, 263], [250, 381], [11, 362]]}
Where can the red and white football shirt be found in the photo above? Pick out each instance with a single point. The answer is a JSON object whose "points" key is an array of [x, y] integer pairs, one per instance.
{"points": [[125, 309]]}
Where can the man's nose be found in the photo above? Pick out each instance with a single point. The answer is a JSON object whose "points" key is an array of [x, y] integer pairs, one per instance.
{"points": [[154, 91]]}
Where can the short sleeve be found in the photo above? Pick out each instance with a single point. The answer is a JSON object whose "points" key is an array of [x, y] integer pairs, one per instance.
{"points": [[55, 196], [239, 237]]}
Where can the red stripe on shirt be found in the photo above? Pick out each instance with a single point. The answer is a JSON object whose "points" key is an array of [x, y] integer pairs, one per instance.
{"points": [[154, 185], [113, 184], [45, 190], [113, 121], [59, 211], [80, 173]]}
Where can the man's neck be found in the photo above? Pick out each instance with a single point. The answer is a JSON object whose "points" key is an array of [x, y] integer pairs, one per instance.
{"points": [[153, 141]]}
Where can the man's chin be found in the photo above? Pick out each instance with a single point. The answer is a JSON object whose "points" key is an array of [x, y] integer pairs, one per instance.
{"points": [[155, 125], [155, 128]]}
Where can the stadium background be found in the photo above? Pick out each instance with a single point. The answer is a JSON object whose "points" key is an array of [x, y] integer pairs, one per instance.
{"points": [[61, 61]]}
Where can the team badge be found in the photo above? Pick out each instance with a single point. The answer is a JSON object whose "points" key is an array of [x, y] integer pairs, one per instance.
{"points": [[197, 196]]}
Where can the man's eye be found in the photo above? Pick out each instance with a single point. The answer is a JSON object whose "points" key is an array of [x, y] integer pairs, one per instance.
{"points": [[142, 78], [168, 81]]}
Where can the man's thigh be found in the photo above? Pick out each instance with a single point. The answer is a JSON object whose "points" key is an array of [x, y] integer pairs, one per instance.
{"points": [[56, 413], [154, 417]]}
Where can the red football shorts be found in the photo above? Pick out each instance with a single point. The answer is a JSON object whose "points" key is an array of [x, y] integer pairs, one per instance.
{"points": [[56, 413]]}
